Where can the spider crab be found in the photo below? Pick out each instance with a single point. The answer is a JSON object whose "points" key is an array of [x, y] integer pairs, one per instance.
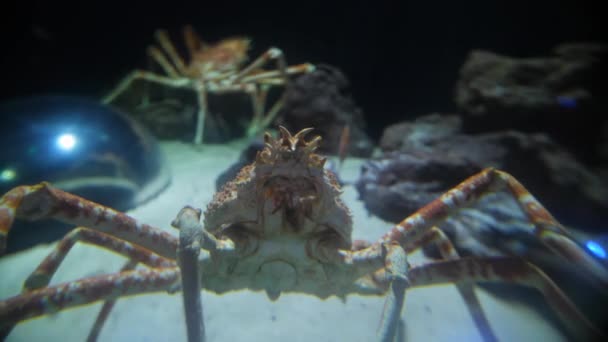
{"points": [[216, 68], [280, 226]]}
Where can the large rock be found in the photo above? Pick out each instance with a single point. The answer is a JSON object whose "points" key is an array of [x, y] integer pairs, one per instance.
{"points": [[430, 155], [561, 94]]}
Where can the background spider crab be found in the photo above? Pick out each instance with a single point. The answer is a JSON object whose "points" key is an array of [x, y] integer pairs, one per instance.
{"points": [[298, 241], [216, 68]]}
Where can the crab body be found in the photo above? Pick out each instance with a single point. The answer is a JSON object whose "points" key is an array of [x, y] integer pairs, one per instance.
{"points": [[216, 69], [281, 212]]}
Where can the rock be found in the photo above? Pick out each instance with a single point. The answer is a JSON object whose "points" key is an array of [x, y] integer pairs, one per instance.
{"points": [[398, 182], [417, 134], [321, 100], [561, 95], [491, 84]]}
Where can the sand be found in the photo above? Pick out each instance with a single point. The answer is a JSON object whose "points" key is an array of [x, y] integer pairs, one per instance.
{"points": [[431, 314]]}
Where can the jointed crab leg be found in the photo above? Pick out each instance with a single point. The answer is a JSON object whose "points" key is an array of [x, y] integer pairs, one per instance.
{"points": [[44, 201], [465, 288], [84, 291], [258, 115], [190, 243], [270, 54], [180, 82], [274, 76], [47, 268], [164, 63], [107, 307], [396, 274], [410, 231], [165, 43], [504, 269], [414, 231]]}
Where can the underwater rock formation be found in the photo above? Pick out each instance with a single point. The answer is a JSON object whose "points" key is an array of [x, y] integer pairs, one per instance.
{"points": [[562, 95], [432, 155], [321, 100], [418, 134], [493, 84]]}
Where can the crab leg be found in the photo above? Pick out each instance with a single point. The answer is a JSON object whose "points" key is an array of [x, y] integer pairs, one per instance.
{"points": [[47, 268], [165, 43], [273, 76], [271, 54], [190, 239], [44, 201], [107, 307], [397, 275], [505, 269], [84, 291], [466, 289], [181, 82], [258, 115], [164, 63], [410, 231]]}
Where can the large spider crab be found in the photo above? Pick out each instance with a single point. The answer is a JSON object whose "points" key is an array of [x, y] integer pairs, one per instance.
{"points": [[216, 68], [280, 226]]}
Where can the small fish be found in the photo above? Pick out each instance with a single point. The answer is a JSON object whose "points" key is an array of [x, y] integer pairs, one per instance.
{"points": [[343, 147]]}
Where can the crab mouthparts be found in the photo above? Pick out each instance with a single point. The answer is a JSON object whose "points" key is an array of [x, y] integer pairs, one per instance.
{"points": [[292, 195]]}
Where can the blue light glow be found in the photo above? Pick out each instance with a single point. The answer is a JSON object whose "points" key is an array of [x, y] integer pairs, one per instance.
{"points": [[566, 102], [596, 249], [66, 141], [8, 175]]}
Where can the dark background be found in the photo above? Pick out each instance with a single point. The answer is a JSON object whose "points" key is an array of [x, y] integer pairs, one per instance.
{"points": [[402, 57]]}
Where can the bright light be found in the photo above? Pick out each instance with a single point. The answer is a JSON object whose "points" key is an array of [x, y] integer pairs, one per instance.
{"points": [[596, 249], [66, 141], [7, 175]]}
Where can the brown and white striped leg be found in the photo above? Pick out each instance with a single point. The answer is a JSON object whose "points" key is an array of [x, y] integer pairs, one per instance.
{"points": [[271, 54], [465, 288], [273, 77], [107, 307], [180, 82], [52, 299], [43, 201], [259, 120], [157, 55], [163, 39], [201, 116], [545, 227], [510, 270], [44, 272], [191, 236], [396, 274]]}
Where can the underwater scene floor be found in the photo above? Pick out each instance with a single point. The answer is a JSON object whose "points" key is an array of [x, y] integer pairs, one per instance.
{"points": [[430, 314]]}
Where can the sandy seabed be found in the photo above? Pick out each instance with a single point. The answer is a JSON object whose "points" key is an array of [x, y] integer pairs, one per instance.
{"points": [[431, 314]]}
